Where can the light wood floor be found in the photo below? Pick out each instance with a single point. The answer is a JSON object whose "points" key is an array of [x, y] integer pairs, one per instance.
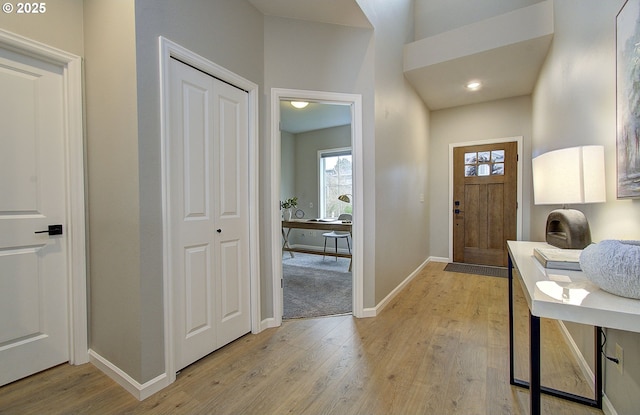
{"points": [[441, 347]]}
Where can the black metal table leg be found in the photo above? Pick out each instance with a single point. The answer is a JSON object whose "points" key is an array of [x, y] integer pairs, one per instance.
{"points": [[534, 361], [512, 378]]}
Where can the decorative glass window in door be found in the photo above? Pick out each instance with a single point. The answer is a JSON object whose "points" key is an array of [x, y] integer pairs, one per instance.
{"points": [[484, 163]]}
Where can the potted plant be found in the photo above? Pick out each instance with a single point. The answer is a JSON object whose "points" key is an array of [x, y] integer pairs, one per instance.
{"points": [[288, 206]]}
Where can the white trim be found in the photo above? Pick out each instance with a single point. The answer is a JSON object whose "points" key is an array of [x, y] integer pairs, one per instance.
{"points": [[140, 391], [169, 49], [438, 259], [74, 178], [517, 139], [355, 101], [607, 406], [372, 312], [582, 362]]}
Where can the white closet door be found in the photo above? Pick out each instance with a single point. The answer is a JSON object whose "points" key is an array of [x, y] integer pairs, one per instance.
{"points": [[208, 193]]}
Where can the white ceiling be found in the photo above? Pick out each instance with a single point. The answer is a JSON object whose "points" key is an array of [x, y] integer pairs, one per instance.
{"points": [[315, 116], [503, 52], [504, 72], [341, 12]]}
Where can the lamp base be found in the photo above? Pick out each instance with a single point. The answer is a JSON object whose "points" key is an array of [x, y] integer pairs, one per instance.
{"points": [[568, 229]]}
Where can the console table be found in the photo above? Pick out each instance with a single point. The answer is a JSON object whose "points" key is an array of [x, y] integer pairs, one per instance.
{"points": [[562, 295]]}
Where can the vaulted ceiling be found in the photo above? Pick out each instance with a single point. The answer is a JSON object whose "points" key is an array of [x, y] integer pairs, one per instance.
{"points": [[504, 50], [341, 12]]}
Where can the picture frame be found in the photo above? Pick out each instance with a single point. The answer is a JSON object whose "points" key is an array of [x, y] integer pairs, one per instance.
{"points": [[628, 100]]}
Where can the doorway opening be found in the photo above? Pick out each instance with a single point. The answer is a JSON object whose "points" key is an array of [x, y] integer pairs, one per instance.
{"points": [[330, 161], [317, 175]]}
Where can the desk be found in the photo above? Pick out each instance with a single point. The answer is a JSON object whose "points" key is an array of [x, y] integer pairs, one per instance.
{"points": [[563, 295], [337, 225]]}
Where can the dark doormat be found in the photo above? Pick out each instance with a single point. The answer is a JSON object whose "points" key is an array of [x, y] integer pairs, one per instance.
{"points": [[477, 270]]}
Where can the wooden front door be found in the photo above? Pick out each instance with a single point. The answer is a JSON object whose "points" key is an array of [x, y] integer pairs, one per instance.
{"points": [[484, 202]]}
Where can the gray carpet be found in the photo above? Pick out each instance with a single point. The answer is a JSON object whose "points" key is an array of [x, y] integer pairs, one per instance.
{"points": [[314, 288], [477, 270]]}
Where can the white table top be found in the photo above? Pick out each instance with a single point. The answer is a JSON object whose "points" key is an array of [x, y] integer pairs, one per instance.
{"points": [[569, 295]]}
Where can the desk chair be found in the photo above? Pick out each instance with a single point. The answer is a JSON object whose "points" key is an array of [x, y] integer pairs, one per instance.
{"points": [[337, 235]]}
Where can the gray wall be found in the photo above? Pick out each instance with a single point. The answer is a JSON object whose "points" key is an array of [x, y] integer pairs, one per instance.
{"points": [[437, 16], [123, 157], [306, 172], [229, 33], [306, 159], [575, 104], [401, 228], [324, 57], [60, 27], [287, 165], [491, 120], [113, 185]]}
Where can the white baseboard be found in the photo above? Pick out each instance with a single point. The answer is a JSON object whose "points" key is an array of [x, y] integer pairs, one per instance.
{"points": [[438, 259], [607, 406], [582, 362], [369, 312], [372, 312], [267, 323], [138, 390]]}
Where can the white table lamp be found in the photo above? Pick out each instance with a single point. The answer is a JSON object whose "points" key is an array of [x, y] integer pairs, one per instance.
{"points": [[569, 176]]}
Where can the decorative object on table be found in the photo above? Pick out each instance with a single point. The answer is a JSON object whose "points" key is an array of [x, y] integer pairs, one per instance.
{"points": [[557, 258], [569, 176], [614, 266], [628, 100], [287, 207], [346, 199], [299, 213]]}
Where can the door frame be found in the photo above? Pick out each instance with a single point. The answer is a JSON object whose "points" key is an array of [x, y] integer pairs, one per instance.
{"points": [[355, 101], [517, 139], [72, 111], [169, 49]]}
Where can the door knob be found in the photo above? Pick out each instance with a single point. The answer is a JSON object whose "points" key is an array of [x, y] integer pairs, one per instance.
{"points": [[52, 230]]}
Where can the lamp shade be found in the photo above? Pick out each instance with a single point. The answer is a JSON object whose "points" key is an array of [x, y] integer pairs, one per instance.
{"points": [[345, 198], [569, 176]]}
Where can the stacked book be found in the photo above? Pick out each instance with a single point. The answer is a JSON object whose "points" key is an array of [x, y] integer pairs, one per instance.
{"points": [[568, 259]]}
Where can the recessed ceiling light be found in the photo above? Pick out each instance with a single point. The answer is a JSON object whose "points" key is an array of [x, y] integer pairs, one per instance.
{"points": [[299, 104], [474, 85]]}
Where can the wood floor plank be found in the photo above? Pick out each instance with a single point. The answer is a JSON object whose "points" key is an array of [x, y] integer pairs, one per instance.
{"points": [[440, 347]]}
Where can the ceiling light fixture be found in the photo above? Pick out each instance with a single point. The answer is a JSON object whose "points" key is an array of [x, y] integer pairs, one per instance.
{"points": [[299, 104], [474, 85]]}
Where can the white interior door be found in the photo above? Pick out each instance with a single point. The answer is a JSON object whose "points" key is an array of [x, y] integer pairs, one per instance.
{"points": [[208, 202], [34, 329]]}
